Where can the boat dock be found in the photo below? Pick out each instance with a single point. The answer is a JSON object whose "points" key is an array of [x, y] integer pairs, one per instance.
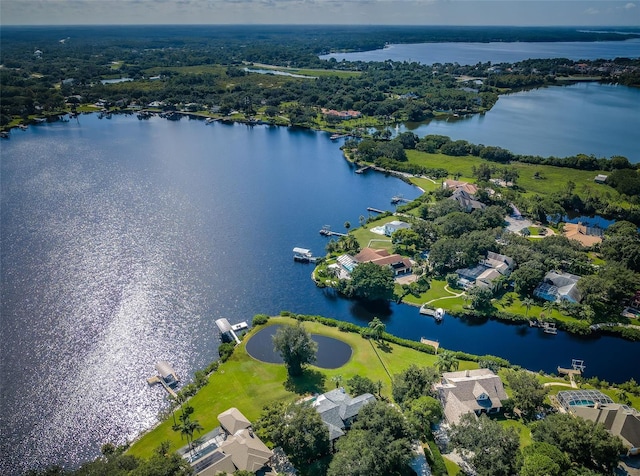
{"points": [[547, 327], [433, 343], [399, 199], [167, 377], [338, 136], [363, 169], [326, 231], [227, 332], [437, 314], [375, 210], [303, 255]]}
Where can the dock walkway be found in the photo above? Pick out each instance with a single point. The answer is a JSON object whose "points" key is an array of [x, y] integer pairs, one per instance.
{"points": [[157, 379], [432, 343]]}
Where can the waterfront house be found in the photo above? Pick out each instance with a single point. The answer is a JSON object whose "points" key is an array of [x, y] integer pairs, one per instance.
{"points": [[235, 448], [470, 391], [338, 410], [558, 286], [399, 264], [470, 188], [619, 420], [586, 235], [393, 226], [466, 201], [484, 273]]}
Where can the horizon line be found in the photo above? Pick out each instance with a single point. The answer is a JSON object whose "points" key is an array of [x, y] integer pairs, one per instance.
{"points": [[636, 27]]}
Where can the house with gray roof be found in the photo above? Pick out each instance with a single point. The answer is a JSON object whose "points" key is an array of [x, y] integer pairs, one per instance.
{"points": [[619, 420], [558, 286], [485, 272], [466, 200], [338, 410], [470, 391], [395, 225], [234, 447]]}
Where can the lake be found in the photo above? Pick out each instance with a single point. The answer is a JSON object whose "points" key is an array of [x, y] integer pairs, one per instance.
{"points": [[124, 240], [496, 52], [557, 121]]}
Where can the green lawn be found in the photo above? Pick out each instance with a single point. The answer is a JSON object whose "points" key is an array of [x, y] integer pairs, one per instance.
{"points": [[554, 178], [439, 297], [521, 429], [368, 238], [452, 468], [248, 384]]}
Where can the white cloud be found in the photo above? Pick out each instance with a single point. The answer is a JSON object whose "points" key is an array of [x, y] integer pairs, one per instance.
{"points": [[629, 6], [592, 11]]}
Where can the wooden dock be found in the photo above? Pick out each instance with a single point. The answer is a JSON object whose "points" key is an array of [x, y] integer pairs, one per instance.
{"points": [[326, 231], [570, 372], [375, 210], [156, 379], [432, 343], [363, 169]]}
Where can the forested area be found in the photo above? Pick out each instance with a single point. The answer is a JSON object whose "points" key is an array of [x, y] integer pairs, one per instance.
{"points": [[49, 70]]}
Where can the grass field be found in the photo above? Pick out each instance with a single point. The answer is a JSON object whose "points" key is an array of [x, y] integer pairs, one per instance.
{"points": [[248, 384], [554, 179]]}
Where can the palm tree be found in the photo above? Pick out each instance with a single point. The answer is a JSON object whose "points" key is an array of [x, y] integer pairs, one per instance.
{"points": [[337, 379], [527, 303], [377, 328], [549, 306], [447, 361], [362, 220], [347, 225], [624, 398], [187, 427]]}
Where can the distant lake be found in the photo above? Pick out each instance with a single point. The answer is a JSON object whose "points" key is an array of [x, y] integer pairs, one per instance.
{"points": [[496, 52], [583, 118]]}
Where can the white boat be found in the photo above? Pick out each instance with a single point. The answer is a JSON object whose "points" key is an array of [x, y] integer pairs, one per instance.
{"points": [[439, 314], [303, 254]]}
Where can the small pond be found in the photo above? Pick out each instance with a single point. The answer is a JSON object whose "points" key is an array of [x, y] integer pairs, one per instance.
{"points": [[332, 353]]}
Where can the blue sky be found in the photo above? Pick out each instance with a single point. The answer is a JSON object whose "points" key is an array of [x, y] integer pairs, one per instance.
{"points": [[376, 12]]}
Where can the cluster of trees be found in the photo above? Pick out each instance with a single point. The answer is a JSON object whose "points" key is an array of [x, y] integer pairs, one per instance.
{"points": [[563, 445], [370, 282], [377, 89], [115, 462]]}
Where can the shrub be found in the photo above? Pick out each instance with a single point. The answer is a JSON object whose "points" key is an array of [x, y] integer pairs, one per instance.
{"points": [[259, 319], [225, 350]]}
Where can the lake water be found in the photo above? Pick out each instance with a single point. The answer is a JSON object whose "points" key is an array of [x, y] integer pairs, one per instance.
{"points": [[496, 52], [124, 240], [559, 121]]}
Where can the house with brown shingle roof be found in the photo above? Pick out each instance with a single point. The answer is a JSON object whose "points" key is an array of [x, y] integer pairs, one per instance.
{"points": [[470, 188], [619, 420], [470, 391], [399, 264], [240, 449]]}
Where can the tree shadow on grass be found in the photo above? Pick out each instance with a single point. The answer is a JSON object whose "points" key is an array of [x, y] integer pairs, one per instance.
{"points": [[384, 347], [311, 381]]}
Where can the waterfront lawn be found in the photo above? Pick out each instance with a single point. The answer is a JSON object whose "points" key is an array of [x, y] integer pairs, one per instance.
{"points": [[554, 179], [426, 184], [367, 238], [438, 296], [248, 384]]}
